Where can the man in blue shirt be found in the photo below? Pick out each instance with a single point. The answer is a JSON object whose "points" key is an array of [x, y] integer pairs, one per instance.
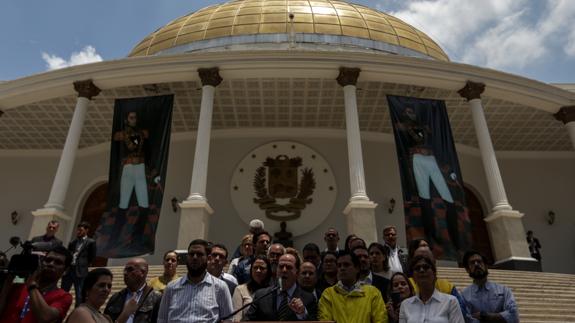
{"points": [[197, 297], [486, 301]]}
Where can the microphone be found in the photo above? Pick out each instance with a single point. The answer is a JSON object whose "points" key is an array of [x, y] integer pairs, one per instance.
{"points": [[280, 283], [271, 291]]}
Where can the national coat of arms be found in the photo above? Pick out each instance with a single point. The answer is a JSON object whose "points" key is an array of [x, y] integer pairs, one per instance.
{"points": [[281, 176]]}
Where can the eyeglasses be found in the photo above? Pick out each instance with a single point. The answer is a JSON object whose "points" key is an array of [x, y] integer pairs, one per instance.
{"points": [[217, 255], [129, 269], [55, 261], [421, 268], [476, 262]]}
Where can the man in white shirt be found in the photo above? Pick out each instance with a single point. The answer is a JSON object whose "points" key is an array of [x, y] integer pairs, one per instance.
{"points": [[396, 261]]}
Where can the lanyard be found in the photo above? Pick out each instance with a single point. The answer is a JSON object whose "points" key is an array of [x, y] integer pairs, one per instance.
{"points": [[26, 307]]}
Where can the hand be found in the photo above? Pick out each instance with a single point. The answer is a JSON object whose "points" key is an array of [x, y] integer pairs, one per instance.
{"points": [[296, 305], [131, 306], [391, 312], [476, 315], [32, 279]]}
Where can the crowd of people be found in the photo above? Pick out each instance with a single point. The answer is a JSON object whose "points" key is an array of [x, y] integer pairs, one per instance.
{"points": [[264, 281]]}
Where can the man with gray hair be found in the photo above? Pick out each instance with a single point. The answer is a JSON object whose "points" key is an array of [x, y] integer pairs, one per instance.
{"points": [[48, 241], [138, 302]]}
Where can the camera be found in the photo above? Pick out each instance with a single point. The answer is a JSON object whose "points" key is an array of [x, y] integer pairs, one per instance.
{"points": [[25, 263]]}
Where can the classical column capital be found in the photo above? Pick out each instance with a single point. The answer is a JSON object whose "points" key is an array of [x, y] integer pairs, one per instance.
{"points": [[472, 90], [210, 76], [348, 76], [566, 114], [86, 89]]}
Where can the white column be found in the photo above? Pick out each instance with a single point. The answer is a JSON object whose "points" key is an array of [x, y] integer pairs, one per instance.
{"points": [[54, 208], [493, 176], [360, 211], [200, 168], [66, 165], [195, 210], [567, 116], [354, 152], [504, 224]]}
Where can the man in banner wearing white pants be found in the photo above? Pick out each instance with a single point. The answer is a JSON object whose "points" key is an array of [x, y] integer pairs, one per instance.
{"points": [[425, 169], [134, 167]]}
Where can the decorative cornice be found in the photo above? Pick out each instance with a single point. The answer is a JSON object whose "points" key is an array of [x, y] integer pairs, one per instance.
{"points": [[86, 89], [566, 114], [472, 90], [210, 76], [348, 76]]}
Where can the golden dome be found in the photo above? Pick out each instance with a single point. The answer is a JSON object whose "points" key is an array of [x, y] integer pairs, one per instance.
{"points": [[311, 17]]}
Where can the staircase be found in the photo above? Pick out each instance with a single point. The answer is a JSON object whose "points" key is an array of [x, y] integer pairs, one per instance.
{"points": [[541, 297]]}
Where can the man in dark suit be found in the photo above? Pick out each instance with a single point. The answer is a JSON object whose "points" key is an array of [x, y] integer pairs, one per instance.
{"points": [[48, 241], [287, 302], [83, 250], [365, 274]]}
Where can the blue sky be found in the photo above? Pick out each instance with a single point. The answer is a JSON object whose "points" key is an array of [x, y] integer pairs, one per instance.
{"points": [[532, 38]]}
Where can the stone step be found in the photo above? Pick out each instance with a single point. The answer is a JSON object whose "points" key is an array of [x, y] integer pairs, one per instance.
{"points": [[546, 317], [541, 297]]}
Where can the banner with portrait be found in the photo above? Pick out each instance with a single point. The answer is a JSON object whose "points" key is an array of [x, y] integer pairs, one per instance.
{"points": [[433, 194], [138, 161]]}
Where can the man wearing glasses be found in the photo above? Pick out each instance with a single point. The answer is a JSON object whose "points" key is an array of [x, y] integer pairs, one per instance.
{"points": [[138, 302], [39, 299], [486, 301]]}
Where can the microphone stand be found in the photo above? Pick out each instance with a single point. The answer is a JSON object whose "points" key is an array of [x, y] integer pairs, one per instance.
{"points": [[273, 290]]}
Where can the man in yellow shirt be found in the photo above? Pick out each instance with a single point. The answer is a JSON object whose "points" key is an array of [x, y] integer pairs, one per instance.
{"points": [[349, 301]]}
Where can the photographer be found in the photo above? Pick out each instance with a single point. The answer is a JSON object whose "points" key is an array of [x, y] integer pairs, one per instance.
{"points": [[39, 299], [3, 267]]}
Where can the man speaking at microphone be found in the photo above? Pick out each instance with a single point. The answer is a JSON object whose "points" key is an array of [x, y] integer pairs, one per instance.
{"points": [[289, 302]]}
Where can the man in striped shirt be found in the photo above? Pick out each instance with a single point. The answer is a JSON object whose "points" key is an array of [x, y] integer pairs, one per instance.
{"points": [[198, 297]]}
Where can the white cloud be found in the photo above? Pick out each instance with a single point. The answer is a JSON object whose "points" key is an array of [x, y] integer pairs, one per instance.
{"points": [[453, 22], [509, 44], [570, 45], [495, 33], [87, 55]]}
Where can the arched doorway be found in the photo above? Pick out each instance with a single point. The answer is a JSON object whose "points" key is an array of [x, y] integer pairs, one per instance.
{"points": [[479, 234], [94, 207]]}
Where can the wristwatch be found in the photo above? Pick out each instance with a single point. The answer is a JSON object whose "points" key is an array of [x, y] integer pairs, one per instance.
{"points": [[32, 287]]}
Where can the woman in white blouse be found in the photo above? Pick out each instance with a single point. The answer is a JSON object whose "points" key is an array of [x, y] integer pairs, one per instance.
{"points": [[429, 305], [260, 275]]}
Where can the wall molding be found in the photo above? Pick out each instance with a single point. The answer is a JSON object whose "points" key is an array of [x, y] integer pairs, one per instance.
{"points": [[293, 133]]}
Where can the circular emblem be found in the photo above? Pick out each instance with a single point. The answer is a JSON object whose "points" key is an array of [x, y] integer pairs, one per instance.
{"points": [[284, 181]]}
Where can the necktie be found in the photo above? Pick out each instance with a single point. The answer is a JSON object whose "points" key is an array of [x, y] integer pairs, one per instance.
{"points": [[284, 310]]}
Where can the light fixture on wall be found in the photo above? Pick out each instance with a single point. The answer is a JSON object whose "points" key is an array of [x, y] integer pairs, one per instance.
{"points": [[550, 217], [15, 216], [391, 205], [175, 205]]}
